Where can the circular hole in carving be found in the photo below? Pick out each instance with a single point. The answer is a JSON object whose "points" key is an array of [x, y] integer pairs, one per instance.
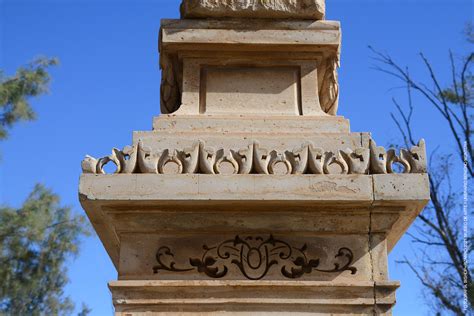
{"points": [[335, 168], [280, 168], [398, 167], [109, 168], [171, 167], [226, 168]]}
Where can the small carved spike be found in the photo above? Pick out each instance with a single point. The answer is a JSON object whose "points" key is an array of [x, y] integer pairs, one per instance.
{"points": [[147, 161], [316, 159], [357, 160], [378, 159], [261, 159], [299, 159], [207, 159], [393, 158], [416, 157], [127, 159], [190, 158], [244, 158]]}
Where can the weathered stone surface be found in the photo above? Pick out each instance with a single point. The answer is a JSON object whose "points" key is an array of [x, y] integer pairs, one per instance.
{"points": [[244, 298], [251, 196], [214, 67], [274, 9]]}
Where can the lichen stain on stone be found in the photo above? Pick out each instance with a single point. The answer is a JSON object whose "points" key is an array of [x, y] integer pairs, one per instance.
{"points": [[328, 186]]}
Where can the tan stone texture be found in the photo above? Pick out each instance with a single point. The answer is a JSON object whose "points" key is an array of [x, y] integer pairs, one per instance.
{"points": [[295, 9], [250, 196]]}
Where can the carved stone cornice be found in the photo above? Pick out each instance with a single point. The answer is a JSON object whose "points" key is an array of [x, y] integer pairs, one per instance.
{"points": [[307, 159]]}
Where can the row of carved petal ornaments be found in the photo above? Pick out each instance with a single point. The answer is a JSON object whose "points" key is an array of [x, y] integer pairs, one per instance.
{"points": [[305, 160]]}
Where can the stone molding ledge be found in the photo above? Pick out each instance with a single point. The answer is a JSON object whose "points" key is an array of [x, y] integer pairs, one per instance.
{"points": [[286, 297], [308, 159]]}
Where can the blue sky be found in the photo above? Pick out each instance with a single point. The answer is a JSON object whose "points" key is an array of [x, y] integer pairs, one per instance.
{"points": [[108, 86]]}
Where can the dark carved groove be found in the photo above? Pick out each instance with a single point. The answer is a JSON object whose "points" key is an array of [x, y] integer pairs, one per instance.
{"points": [[254, 261]]}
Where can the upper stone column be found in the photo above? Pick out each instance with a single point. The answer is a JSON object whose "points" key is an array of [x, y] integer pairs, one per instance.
{"points": [[261, 9], [250, 58]]}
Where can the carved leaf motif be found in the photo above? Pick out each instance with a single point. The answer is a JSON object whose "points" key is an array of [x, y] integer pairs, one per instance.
{"points": [[337, 159], [147, 160], [261, 159], [254, 257], [207, 159], [244, 157], [170, 88], [168, 157], [105, 160], [378, 159], [224, 156], [357, 160], [305, 160], [329, 89], [279, 158], [393, 158], [316, 159], [299, 159], [416, 157], [190, 158], [127, 159]]}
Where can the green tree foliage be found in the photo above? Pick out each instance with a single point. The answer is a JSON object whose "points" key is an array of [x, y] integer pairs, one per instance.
{"points": [[15, 92], [36, 241]]}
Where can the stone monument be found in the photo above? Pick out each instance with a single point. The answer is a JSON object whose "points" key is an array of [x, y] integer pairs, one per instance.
{"points": [[250, 196]]}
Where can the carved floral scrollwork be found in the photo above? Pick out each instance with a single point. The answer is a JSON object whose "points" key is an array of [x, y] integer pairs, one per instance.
{"points": [[190, 158], [244, 158], [316, 159], [279, 159], [298, 159], [254, 159], [335, 159], [358, 160], [254, 257], [410, 161]]}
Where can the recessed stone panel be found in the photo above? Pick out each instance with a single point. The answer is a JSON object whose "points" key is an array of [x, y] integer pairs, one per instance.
{"points": [[250, 90]]}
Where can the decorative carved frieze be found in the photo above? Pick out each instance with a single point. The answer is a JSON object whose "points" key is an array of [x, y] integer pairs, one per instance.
{"points": [[254, 257], [410, 161], [308, 159]]}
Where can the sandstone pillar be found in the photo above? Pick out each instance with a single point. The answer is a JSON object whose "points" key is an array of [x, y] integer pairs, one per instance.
{"points": [[250, 196]]}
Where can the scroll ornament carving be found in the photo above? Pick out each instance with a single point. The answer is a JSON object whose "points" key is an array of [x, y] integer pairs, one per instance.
{"points": [[254, 257], [254, 159]]}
